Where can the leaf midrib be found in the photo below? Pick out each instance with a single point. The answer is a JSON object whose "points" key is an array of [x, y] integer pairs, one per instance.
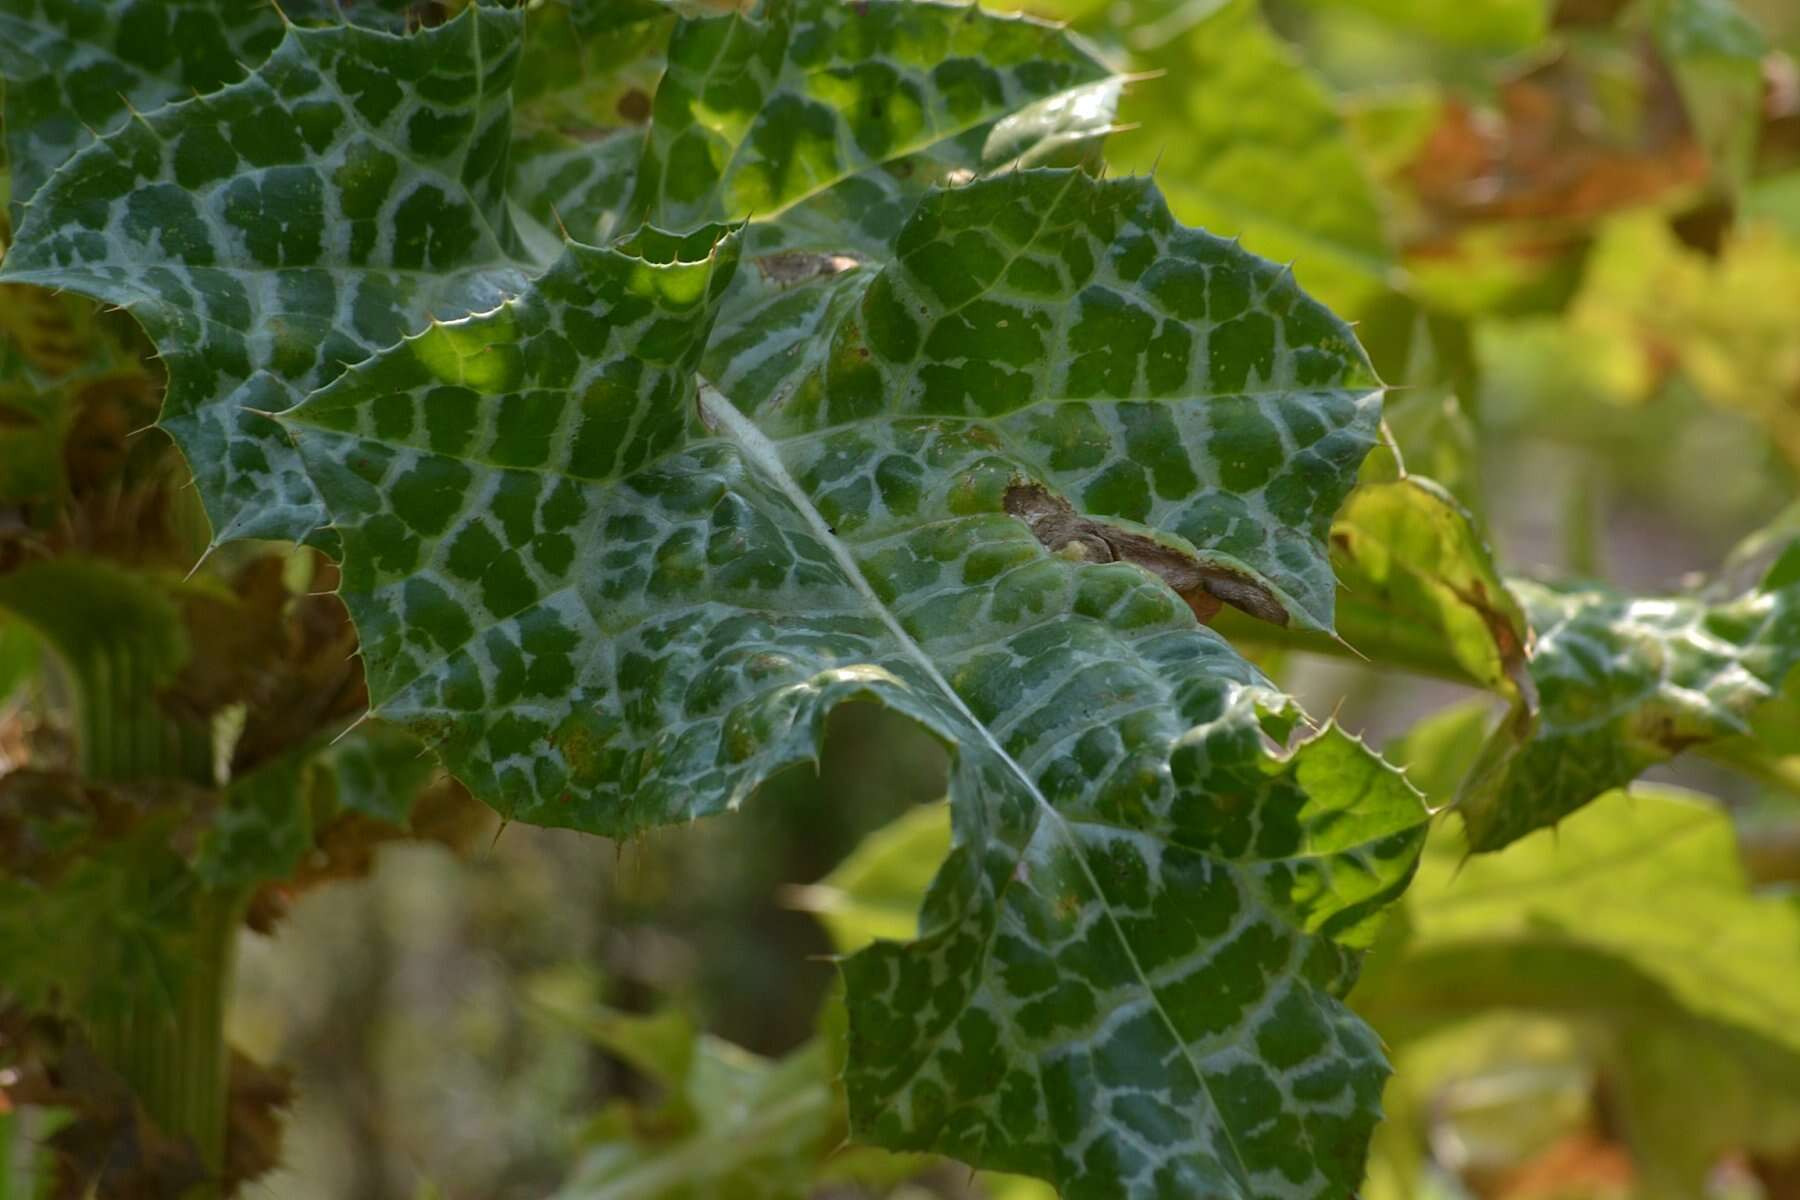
{"points": [[760, 452]]}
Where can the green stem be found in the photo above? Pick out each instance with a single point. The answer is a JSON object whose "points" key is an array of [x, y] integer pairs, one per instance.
{"points": [[124, 734], [1584, 541], [168, 1045], [174, 1056]]}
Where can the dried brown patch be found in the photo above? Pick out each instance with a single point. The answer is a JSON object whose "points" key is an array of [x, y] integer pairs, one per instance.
{"points": [[793, 267], [110, 1147], [1205, 586], [345, 848], [634, 106], [1545, 153]]}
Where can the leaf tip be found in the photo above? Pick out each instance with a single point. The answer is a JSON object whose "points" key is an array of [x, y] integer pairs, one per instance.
{"points": [[201, 561]]}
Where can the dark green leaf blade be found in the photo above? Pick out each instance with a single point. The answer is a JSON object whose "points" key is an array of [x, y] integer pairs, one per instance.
{"points": [[1183, 393], [1148, 1011], [833, 118], [1624, 684], [466, 609], [74, 69], [614, 602], [277, 229]]}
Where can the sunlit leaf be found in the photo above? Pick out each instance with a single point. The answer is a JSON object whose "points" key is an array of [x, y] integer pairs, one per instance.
{"points": [[1246, 143], [824, 122], [586, 77], [1418, 590], [1624, 684], [1230, 433], [1480, 24], [878, 890], [730, 1124], [591, 65], [565, 564], [271, 231], [1633, 923], [1724, 323]]}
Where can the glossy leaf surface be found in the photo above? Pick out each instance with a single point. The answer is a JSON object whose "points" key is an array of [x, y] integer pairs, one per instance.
{"points": [[1418, 590], [1250, 144], [613, 601], [269, 232], [826, 121], [1625, 684], [75, 69]]}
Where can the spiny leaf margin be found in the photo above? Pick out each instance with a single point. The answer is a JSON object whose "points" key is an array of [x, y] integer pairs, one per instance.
{"points": [[634, 629]]}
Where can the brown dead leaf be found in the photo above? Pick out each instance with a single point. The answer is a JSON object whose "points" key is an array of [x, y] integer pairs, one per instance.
{"points": [[1552, 151], [51, 332], [289, 659], [49, 819], [1778, 1175], [260, 1097], [346, 847], [111, 1148], [1583, 1164]]}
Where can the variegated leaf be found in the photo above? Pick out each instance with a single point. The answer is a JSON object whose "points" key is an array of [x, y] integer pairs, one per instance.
{"points": [[1626, 683], [824, 122], [74, 68], [591, 65], [77, 68], [273, 231], [1186, 393], [615, 601], [588, 70], [1417, 589], [573, 187]]}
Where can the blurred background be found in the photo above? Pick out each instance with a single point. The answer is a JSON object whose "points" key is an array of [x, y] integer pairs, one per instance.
{"points": [[1569, 232]]}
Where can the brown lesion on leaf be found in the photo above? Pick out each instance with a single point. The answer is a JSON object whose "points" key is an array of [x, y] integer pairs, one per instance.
{"points": [[793, 267], [634, 106], [1512, 642], [1205, 586]]}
